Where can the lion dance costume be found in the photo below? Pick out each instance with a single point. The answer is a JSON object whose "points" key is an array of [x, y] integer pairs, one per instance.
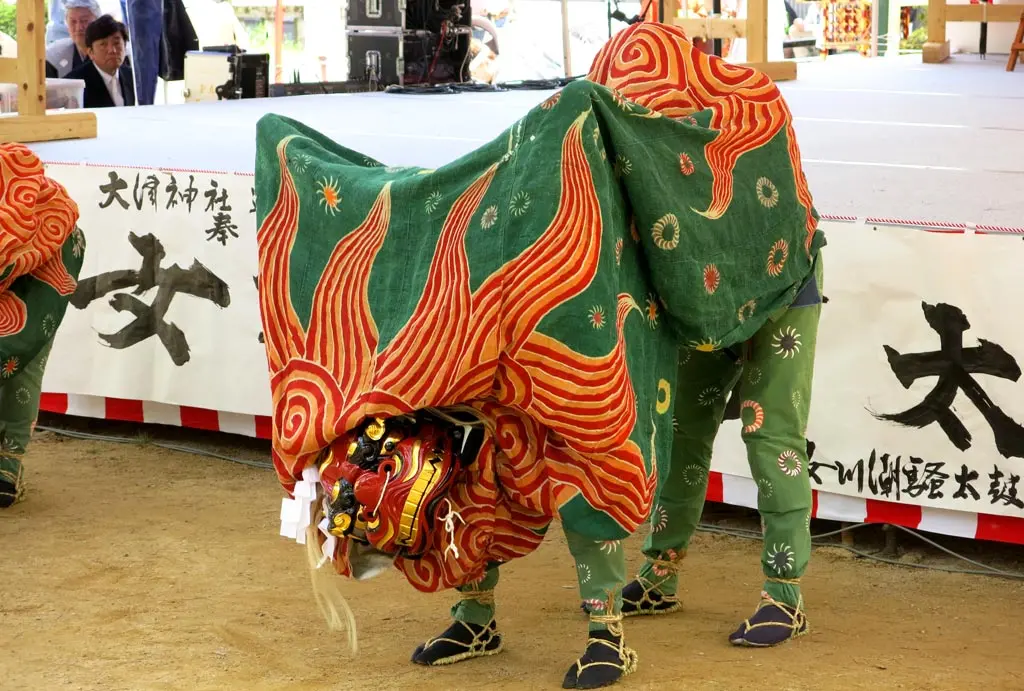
{"points": [[460, 356], [41, 252]]}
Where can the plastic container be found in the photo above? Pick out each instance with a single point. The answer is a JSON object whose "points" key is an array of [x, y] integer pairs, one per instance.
{"points": [[60, 94]]}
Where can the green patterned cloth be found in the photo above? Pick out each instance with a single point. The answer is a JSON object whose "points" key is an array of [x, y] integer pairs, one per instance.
{"points": [[547, 278], [23, 358]]}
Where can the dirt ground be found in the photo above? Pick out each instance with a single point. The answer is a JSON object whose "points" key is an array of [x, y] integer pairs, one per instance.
{"points": [[133, 567]]}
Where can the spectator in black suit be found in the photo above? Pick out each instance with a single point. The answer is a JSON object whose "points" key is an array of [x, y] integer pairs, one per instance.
{"points": [[108, 80]]}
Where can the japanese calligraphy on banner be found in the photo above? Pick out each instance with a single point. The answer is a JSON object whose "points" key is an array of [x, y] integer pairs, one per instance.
{"points": [[918, 396], [166, 308]]}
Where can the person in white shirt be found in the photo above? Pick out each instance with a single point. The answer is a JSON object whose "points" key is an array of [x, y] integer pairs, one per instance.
{"points": [[108, 80], [66, 54]]}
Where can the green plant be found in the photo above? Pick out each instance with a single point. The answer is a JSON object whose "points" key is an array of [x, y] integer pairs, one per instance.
{"points": [[916, 39], [8, 20]]}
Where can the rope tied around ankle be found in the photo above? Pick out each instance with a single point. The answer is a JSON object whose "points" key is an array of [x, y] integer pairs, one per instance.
{"points": [[483, 597], [663, 567]]}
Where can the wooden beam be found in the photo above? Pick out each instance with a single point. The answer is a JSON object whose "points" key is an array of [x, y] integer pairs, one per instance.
{"points": [[31, 56], [932, 53], [981, 13], [756, 27], [697, 28], [8, 70], [936, 21], [779, 71], [936, 48], [45, 128]]}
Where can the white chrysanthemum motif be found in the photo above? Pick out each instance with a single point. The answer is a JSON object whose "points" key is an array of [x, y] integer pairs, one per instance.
{"points": [[712, 278], [705, 346], [610, 546], [684, 357], [765, 489], [597, 134], [780, 558], [777, 257], [786, 342], [489, 217], [301, 163], [583, 572], [620, 100], [652, 311], [790, 463], [520, 203], [665, 232], [367, 161], [746, 311], [675, 424], [686, 166], [808, 521], [597, 318], [432, 202], [49, 325], [9, 367], [330, 197], [22, 395], [77, 242], [756, 416], [659, 519], [618, 252], [708, 396], [693, 475], [754, 375], [796, 399], [623, 166], [767, 193]]}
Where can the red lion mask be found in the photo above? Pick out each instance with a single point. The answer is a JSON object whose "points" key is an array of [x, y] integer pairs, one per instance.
{"points": [[386, 489]]}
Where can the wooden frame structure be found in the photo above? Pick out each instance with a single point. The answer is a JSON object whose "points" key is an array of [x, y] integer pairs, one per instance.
{"points": [[28, 71], [1017, 47], [754, 28], [936, 49]]}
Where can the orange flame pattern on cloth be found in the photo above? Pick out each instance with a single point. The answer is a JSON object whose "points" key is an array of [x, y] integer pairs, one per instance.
{"points": [[560, 423], [36, 217], [656, 66]]}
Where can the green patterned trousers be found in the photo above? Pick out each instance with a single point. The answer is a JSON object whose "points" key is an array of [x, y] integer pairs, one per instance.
{"points": [[19, 408], [600, 572], [772, 376]]}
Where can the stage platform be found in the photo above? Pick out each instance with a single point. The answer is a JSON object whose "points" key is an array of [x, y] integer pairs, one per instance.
{"points": [[892, 148], [888, 138]]}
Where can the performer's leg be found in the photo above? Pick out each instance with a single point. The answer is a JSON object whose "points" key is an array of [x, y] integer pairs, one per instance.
{"points": [[19, 408], [474, 632], [776, 441], [705, 380], [600, 571], [145, 28]]}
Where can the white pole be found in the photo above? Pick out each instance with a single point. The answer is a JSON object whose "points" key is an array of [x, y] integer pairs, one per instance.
{"points": [[892, 43], [874, 28], [566, 48]]}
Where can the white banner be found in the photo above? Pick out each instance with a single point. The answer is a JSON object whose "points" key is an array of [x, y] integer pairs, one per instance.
{"points": [[921, 327], [924, 327], [167, 308]]}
